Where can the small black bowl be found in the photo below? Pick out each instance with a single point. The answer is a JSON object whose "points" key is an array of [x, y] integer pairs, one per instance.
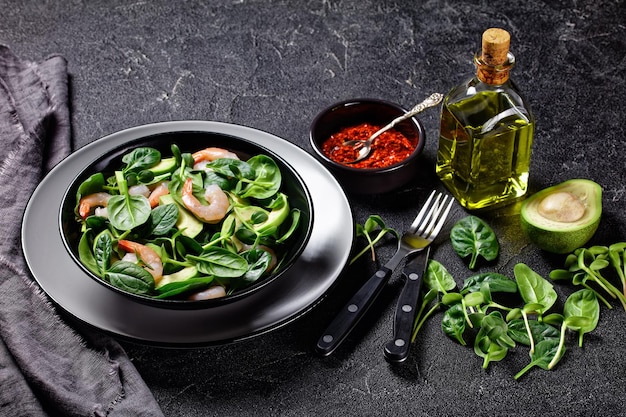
{"points": [[377, 112], [191, 141]]}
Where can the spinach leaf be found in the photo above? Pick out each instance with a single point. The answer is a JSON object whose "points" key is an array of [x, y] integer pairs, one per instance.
{"points": [[103, 250], [225, 183], [267, 179], [539, 330], [96, 223], [181, 287], [538, 294], [438, 278], [93, 184], [127, 211], [220, 262], [582, 303], [544, 353], [472, 236], [533, 288], [130, 277], [140, 159], [258, 261], [496, 282], [85, 253], [163, 218], [232, 168], [185, 246], [453, 323]]}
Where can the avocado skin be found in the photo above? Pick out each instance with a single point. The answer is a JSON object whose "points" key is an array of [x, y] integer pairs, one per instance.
{"points": [[563, 238]]}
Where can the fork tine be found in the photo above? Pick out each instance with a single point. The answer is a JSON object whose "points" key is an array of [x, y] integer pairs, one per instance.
{"points": [[422, 212], [432, 215], [440, 218]]}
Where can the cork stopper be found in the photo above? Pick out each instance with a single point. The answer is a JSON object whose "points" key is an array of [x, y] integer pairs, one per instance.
{"points": [[493, 64], [496, 44]]}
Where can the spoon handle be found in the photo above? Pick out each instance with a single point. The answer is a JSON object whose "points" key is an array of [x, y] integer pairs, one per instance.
{"points": [[431, 101]]}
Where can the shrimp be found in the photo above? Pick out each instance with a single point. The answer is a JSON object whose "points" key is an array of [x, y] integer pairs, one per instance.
{"points": [[209, 213], [160, 190], [139, 189], [203, 156], [215, 291], [87, 202], [146, 255]]}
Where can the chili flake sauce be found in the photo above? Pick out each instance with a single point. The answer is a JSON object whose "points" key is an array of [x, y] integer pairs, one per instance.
{"points": [[390, 148]]}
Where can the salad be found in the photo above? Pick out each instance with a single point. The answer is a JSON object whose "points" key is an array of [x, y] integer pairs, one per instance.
{"points": [[187, 226]]}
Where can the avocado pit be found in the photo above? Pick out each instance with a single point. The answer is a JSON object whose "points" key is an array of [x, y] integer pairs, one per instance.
{"points": [[562, 206]]}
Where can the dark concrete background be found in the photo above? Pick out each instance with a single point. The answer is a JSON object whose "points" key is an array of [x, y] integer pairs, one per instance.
{"points": [[272, 65]]}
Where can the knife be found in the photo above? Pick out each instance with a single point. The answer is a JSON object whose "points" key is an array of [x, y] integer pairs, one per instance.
{"points": [[397, 349]]}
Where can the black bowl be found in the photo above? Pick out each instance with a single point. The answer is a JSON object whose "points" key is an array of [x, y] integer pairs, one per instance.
{"points": [[191, 141], [378, 112]]}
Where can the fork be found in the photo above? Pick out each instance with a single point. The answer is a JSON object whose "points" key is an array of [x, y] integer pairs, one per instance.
{"points": [[419, 235]]}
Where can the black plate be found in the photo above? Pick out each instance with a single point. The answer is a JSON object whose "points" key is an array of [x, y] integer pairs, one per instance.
{"points": [[276, 304]]}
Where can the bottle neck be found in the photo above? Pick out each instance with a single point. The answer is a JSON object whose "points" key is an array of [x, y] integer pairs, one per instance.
{"points": [[493, 74]]}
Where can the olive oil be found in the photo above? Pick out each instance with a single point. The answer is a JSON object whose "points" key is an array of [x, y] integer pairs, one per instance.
{"points": [[485, 137]]}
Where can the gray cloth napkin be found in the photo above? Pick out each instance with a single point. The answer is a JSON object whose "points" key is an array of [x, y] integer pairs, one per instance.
{"points": [[46, 366]]}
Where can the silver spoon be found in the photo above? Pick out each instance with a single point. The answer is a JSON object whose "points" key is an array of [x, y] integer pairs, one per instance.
{"points": [[365, 146]]}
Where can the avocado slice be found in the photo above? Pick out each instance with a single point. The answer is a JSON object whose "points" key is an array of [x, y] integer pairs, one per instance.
{"points": [[273, 218], [563, 217], [187, 222], [165, 166], [182, 275]]}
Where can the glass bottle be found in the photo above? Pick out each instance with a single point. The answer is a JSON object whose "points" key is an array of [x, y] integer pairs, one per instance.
{"points": [[486, 131]]}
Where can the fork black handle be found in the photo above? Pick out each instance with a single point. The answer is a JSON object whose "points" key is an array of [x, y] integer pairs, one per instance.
{"points": [[397, 349], [352, 312]]}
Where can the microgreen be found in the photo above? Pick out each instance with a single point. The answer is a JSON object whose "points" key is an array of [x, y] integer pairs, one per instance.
{"points": [[588, 266], [437, 280], [372, 224]]}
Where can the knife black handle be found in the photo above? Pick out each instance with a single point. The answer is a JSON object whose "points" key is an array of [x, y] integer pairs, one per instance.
{"points": [[397, 349], [352, 312]]}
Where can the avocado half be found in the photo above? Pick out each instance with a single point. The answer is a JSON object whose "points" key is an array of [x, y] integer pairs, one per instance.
{"points": [[563, 217]]}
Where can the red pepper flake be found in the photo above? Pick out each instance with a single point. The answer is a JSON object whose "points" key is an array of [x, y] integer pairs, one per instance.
{"points": [[390, 148]]}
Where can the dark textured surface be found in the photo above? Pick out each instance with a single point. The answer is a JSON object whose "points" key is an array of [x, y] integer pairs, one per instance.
{"points": [[273, 66]]}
